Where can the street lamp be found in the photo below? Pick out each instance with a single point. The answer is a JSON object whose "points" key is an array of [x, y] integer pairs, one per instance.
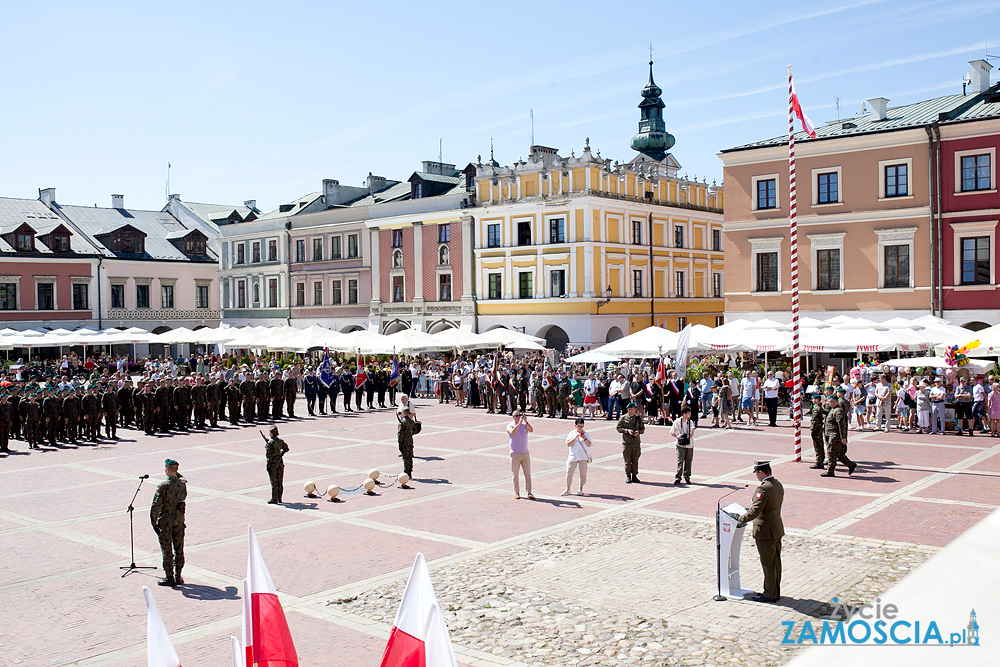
{"points": [[605, 301]]}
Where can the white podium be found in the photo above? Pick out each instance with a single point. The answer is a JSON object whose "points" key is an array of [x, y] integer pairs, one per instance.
{"points": [[729, 538]]}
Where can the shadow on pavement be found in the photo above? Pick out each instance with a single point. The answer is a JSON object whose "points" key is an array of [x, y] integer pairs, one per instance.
{"points": [[202, 592], [431, 480], [609, 496], [557, 502], [300, 506], [429, 458]]}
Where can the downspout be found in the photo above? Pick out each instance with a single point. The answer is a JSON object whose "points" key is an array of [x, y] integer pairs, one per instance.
{"points": [[288, 269], [100, 321], [652, 275], [930, 205], [940, 231]]}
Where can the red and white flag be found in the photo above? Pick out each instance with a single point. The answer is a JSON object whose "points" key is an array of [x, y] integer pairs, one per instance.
{"points": [[361, 375], [419, 636], [661, 373], [807, 123], [266, 639], [159, 650]]}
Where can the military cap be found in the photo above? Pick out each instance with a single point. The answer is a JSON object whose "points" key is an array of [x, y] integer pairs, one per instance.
{"points": [[274, 429], [841, 389], [761, 465], [631, 405], [170, 462]]}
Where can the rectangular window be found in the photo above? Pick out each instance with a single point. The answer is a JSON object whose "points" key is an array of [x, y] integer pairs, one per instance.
{"points": [[272, 251], [975, 172], [767, 272], [352, 291], [636, 283], [201, 296], [397, 238], [241, 256], [896, 181], [300, 250], [444, 287], [828, 269], [976, 260], [679, 284], [300, 294], [256, 252], [352, 246], [272, 293], [337, 298], [8, 296], [24, 242], [317, 294], [496, 286], [896, 262], [717, 240], [241, 294], [637, 232], [117, 296], [681, 323], [524, 233], [557, 280], [524, 285], [444, 233], [142, 296], [493, 235], [335, 248], [720, 320], [60, 243], [317, 250], [557, 230], [767, 196], [717, 285], [827, 188], [46, 296], [678, 236], [80, 294], [166, 296]]}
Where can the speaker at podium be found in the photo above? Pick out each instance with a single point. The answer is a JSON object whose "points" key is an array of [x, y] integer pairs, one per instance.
{"points": [[729, 538]]}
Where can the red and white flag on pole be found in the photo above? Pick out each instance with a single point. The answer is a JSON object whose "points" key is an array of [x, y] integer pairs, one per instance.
{"points": [[419, 636], [362, 374], [661, 373], [266, 639], [159, 650], [807, 123]]}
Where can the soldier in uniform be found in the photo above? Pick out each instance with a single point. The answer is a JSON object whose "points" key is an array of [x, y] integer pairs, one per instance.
{"points": [[199, 399], [381, 384], [262, 393], [167, 516], [551, 395], [631, 428], [71, 409], [248, 391], [275, 452], [765, 512], [522, 390], [6, 418], [51, 410], [124, 396], [277, 393], [291, 389], [15, 416], [138, 405], [489, 395], [369, 388], [163, 395], [31, 411], [234, 394], [213, 397], [149, 415], [565, 388], [347, 387], [109, 404], [405, 437], [406, 380], [310, 387], [817, 419], [91, 409], [835, 433], [182, 399], [539, 397], [333, 390]]}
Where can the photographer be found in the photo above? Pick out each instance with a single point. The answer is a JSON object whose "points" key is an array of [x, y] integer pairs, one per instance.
{"points": [[518, 431], [683, 429]]}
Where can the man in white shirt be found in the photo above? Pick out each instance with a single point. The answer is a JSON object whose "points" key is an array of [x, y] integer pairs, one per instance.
{"points": [[978, 403], [938, 396], [882, 404], [747, 387], [771, 385]]}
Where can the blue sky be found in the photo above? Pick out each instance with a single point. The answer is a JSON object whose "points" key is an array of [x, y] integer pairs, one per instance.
{"points": [[262, 100]]}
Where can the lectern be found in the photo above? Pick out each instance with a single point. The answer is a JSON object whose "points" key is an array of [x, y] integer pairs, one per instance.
{"points": [[729, 537]]}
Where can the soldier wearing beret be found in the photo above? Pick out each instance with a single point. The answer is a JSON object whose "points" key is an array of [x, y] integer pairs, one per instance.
{"points": [[275, 451], [276, 389], [167, 516], [109, 404], [248, 389], [234, 395], [199, 400], [31, 415], [51, 408], [765, 512], [291, 390], [262, 392], [6, 417]]}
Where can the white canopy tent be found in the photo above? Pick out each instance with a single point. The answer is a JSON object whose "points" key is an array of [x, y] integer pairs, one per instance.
{"points": [[650, 342], [591, 357], [507, 337], [459, 339], [413, 341]]}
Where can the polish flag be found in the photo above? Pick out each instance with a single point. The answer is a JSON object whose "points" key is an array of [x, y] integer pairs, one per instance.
{"points": [[807, 124], [419, 636], [361, 375], [661, 373], [159, 650], [266, 639]]}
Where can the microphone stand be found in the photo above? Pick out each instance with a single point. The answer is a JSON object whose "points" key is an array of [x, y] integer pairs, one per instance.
{"points": [[132, 567], [719, 597]]}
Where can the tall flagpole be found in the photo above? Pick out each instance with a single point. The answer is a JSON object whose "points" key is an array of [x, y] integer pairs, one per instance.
{"points": [[794, 239]]}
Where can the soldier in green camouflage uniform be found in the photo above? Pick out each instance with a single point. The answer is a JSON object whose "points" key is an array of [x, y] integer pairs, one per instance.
{"points": [[835, 433], [816, 429], [405, 436], [631, 428], [167, 516], [275, 451]]}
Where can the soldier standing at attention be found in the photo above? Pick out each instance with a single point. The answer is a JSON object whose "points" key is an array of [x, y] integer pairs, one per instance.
{"points": [[405, 435], [199, 399], [71, 409], [91, 413], [138, 405], [333, 390], [234, 393], [51, 409], [816, 429], [347, 388], [277, 391], [148, 411], [631, 428], [6, 418], [162, 397], [167, 516], [291, 389], [275, 452], [124, 396], [213, 396], [310, 387], [247, 390], [109, 403], [262, 392], [765, 512], [835, 433]]}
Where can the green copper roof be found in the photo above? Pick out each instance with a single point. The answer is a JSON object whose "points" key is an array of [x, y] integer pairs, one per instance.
{"points": [[653, 139]]}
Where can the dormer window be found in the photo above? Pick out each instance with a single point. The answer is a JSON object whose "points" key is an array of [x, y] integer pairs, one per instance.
{"points": [[59, 242], [24, 242], [194, 246]]}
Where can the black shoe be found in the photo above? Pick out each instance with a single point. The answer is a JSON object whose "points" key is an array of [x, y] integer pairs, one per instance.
{"points": [[828, 474], [635, 480], [759, 597], [687, 480], [272, 502], [166, 581], [178, 580], [850, 468], [628, 480], [817, 466], [677, 482]]}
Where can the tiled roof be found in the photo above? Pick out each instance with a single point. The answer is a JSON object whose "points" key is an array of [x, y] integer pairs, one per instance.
{"points": [[156, 225], [950, 108]]}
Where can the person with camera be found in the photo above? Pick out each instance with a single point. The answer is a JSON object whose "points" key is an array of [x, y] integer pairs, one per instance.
{"points": [[579, 455], [520, 460], [683, 429]]}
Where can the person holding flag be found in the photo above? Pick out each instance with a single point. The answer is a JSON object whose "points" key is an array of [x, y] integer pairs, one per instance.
{"points": [[325, 380], [393, 379], [360, 378]]}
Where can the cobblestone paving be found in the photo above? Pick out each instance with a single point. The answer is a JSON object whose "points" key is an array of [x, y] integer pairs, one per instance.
{"points": [[621, 576]]}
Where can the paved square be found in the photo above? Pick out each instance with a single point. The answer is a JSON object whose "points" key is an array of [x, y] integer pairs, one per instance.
{"points": [[621, 576]]}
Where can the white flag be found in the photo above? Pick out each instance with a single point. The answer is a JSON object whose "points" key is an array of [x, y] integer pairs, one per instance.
{"points": [[159, 650], [683, 341]]}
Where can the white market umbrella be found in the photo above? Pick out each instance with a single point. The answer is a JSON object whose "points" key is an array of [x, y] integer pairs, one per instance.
{"points": [[507, 337], [845, 341], [412, 341], [525, 345], [591, 357], [650, 342], [459, 339]]}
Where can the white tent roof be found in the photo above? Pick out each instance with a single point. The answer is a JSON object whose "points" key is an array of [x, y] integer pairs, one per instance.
{"points": [[413, 341], [508, 336], [650, 342], [459, 339]]}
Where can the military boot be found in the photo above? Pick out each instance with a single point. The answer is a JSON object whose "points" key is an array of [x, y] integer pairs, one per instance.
{"points": [[167, 581]]}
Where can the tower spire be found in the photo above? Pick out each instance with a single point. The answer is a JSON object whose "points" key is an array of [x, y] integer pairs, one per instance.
{"points": [[653, 139]]}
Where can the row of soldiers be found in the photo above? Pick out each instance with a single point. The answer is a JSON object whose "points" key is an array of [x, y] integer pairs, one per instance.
{"points": [[828, 427], [67, 412], [511, 389]]}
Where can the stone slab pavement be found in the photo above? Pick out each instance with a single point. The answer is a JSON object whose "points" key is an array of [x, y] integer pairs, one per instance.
{"points": [[621, 576]]}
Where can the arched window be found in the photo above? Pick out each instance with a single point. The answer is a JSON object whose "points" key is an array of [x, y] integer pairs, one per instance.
{"points": [[444, 258], [397, 259], [256, 295]]}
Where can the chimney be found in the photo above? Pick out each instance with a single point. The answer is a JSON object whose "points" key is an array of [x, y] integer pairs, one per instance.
{"points": [[118, 201], [331, 192], [47, 196], [173, 198], [375, 183], [980, 75], [878, 108], [251, 204]]}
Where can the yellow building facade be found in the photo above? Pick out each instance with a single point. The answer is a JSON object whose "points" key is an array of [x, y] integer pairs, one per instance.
{"points": [[582, 251]]}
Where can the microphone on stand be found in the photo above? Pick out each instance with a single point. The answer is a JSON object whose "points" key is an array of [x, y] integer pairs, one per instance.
{"points": [[718, 505], [144, 477]]}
